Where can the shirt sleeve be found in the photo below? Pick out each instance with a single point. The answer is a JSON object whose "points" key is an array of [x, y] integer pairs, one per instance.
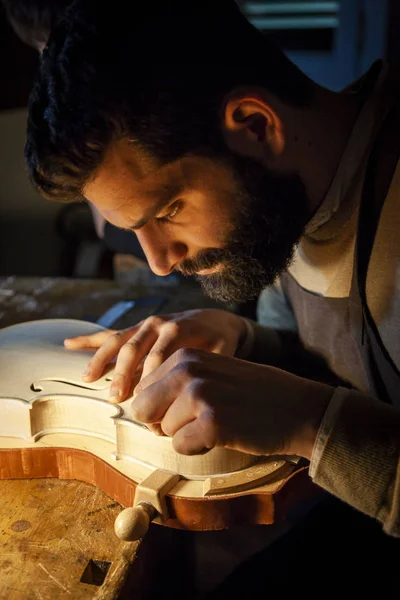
{"points": [[326, 427], [262, 342], [356, 456], [274, 310]]}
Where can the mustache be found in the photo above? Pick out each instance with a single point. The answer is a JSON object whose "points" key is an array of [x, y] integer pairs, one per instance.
{"points": [[205, 259]]}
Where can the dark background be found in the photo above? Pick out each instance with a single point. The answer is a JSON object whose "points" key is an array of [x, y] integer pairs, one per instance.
{"points": [[38, 237]]}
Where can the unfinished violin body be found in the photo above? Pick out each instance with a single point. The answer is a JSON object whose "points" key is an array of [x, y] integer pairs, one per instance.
{"points": [[54, 425]]}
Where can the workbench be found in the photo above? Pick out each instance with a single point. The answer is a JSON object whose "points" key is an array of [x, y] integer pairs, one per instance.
{"points": [[29, 298], [57, 537]]}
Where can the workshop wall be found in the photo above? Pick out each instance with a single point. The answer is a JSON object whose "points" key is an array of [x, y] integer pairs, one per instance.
{"points": [[334, 43], [29, 244]]}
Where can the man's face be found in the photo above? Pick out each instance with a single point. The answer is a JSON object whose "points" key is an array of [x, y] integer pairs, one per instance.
{"points": [[225, 219]]}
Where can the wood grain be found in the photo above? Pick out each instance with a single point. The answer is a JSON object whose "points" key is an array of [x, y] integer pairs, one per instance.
{"points": [[50, 531]]}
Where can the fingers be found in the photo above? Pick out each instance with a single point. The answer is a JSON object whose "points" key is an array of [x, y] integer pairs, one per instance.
{"points": [[106, 352], [171, 414], [174, 337], [196, 437], [155, 394], [176, 401], [156, 429], [180, 413], [150, 406], [188, 406], [183, 363], [135, 378], [130, 354], [162, 349], [88, 342]]}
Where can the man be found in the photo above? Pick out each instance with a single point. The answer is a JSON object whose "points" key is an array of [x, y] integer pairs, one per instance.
{"points": [[182, 123]]}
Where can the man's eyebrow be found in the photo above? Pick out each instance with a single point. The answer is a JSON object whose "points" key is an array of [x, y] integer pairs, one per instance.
{"points": [[151, 214]]}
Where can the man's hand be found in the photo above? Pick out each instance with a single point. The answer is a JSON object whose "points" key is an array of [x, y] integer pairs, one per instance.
{"points": [[151, 342], [203, 400]]}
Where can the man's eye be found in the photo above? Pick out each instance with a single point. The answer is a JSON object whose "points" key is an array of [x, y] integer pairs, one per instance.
{"points": [[175, 208]]}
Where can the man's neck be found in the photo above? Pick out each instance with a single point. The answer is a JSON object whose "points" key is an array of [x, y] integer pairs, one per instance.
{"points": [[316, 139]]}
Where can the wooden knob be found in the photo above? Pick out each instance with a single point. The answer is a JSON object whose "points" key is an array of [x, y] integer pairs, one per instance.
{"points": [[133, 523]]}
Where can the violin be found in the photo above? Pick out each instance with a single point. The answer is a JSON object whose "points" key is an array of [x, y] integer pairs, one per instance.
{"points": [[52, 424]]}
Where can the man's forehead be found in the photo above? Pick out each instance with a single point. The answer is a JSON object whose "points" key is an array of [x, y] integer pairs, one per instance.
{"points": [[120, 175]]}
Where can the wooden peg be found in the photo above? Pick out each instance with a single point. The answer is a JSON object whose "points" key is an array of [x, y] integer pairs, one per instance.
{"points": [[133, 523], [149, 504]]}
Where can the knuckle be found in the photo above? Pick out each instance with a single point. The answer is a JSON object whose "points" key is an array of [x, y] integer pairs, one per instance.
{"points": [[92, 363], [172, 328], [187, 363], [120, 377], [180, 356], [129, 348], [116, 339], [196, 390], [187, 369], [187, 355], [97, 358], [157, 355], [121, 335], [154, 321], [118, 334]]}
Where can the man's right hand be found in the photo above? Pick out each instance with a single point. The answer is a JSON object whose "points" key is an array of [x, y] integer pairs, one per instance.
{"points": [[152, 341]]}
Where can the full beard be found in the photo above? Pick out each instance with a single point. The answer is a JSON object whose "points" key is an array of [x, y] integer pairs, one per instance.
{"points": [[270, 213]]}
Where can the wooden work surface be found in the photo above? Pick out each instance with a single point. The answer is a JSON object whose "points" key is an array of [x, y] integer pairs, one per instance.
{"points": [[25, 299], [57, 541], [57, 537]]}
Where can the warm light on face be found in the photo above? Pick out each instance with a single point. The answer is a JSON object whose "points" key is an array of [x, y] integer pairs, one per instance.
{"points": [[226, 219], [189, 201]]}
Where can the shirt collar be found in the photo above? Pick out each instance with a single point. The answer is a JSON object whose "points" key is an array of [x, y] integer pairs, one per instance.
{"points": [[326, 221]]}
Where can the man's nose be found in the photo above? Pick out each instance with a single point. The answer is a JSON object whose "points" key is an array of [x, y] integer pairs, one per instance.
{"points": [[163, 256]]}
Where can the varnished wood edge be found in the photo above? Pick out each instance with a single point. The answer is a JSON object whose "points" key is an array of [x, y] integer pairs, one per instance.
{"points": [[196, 514]]}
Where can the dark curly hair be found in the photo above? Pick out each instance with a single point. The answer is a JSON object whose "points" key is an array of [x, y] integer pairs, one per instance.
{"points": [[32, 20], [155, 73]]}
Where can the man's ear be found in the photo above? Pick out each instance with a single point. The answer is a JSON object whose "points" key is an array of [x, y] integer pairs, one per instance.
{"points": [[253, 128]]}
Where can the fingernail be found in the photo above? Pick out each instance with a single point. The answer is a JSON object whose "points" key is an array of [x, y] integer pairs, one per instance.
{"points": [[86, 373], [115, 396]]}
